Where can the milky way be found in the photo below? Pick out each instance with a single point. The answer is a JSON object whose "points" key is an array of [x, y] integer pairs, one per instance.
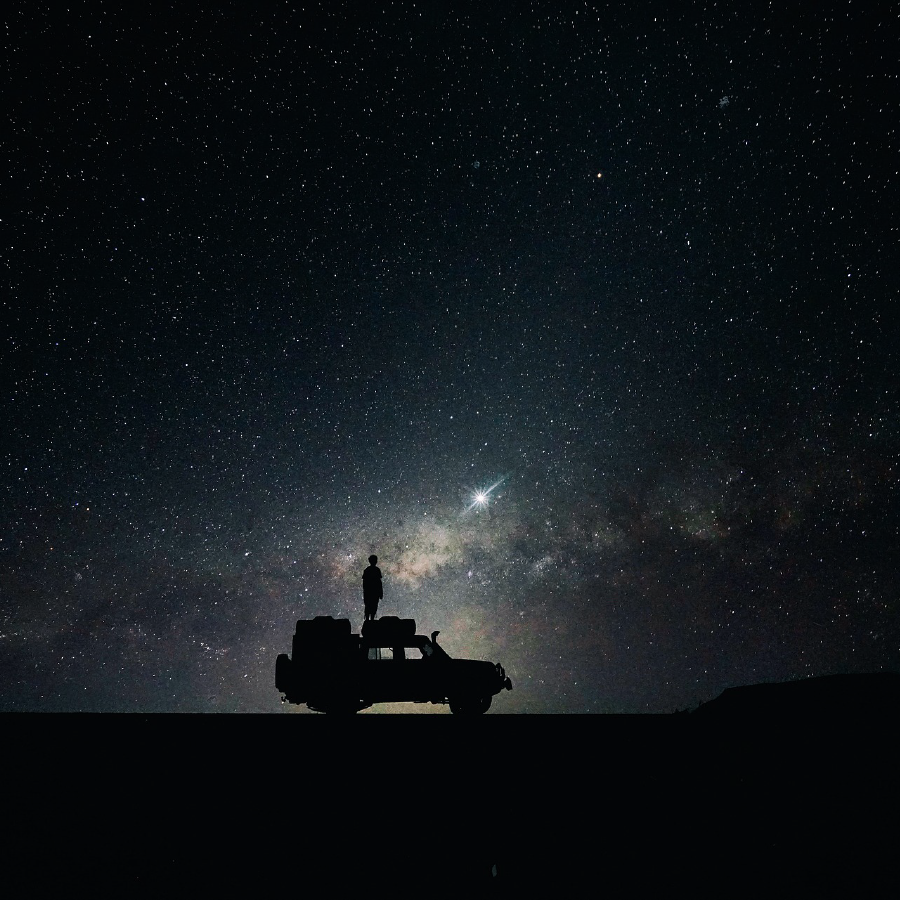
{"points": [[284, 289]]}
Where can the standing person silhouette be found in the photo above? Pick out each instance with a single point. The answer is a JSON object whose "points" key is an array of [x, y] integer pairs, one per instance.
{"points": [[372, 590]]}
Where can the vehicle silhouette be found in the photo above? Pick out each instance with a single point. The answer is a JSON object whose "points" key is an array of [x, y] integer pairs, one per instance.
{"points": [[333, 670]]}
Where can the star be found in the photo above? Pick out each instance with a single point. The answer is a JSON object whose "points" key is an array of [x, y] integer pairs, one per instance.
{"points": [[481, 496]]}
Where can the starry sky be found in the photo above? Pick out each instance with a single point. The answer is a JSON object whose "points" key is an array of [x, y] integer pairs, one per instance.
{"points": [[288, 284]]}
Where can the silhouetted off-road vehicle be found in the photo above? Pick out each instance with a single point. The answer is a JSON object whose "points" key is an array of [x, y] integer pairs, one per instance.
{"points": [[333, 670]]}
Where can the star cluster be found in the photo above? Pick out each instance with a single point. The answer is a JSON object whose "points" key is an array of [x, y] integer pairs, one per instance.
{"points": [[287, 287]]}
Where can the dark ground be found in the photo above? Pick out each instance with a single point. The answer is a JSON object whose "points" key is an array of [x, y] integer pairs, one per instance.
{"points": [[734, 799]]}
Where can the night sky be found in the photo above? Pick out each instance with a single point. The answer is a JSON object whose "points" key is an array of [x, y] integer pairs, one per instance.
{"points": [[284, 287]]}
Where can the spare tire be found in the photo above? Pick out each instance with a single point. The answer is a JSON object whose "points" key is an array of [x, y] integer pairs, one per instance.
{"points": [[283, 672]]}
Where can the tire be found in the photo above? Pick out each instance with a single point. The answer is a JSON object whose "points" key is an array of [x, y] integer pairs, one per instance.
{"points": [[342, 710], [335, 704], [282, 673], [470, 706]]}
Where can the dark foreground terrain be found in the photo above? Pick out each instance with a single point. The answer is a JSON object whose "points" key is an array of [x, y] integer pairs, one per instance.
{"points": [[772, 788]]}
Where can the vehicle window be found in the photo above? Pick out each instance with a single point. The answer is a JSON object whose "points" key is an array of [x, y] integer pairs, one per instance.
{"points": [[405, 653]]}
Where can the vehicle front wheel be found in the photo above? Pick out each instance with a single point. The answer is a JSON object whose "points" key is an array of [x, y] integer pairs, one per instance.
{"points": [[342, 706], [468, 706]]}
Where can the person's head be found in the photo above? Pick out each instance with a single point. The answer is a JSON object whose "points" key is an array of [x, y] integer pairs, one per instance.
{"points": [[373, 559]]}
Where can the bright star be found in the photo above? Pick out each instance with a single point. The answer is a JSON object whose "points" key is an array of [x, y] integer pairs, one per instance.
{"points": [[481, 496]]}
